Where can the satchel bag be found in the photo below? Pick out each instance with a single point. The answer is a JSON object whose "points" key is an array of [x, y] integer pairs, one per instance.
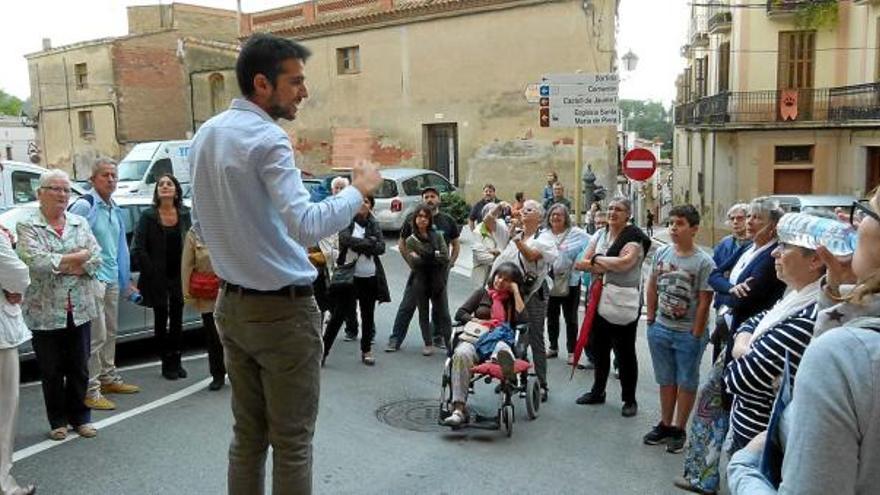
{"points": [[619, 305], [560, 283], [204, 285], [343, 276], [472, 331]]}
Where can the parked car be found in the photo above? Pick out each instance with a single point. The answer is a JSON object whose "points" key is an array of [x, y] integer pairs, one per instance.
{"points": [[145, 162], [19, 181], [808, 203], [401, 191], [135, 322]]}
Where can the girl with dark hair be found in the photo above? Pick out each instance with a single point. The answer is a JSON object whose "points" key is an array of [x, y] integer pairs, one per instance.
{"points": [[430, 257], [499, 302], [157, 247], [360, 243]]}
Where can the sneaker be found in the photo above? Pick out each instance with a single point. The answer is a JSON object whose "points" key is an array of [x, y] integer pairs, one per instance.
{"points": [[58, 434], [368, 359], [454, 419], [349, 337], [99, 403], [659, 434], [629, 409], [686, 485], [119, 388], [427, 350], [675, 443], [505, 360], [545, 393], [392, 346], [552, 353], [86, 431], [590, 398]]}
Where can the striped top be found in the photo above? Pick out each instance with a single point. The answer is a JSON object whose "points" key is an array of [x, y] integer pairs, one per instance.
{"points": [[752, 378]]}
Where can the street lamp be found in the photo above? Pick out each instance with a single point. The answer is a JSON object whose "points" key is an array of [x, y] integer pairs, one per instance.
{"points": [[630, 61]]}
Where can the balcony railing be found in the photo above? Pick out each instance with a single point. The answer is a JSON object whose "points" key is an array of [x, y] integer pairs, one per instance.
{"points": [[720, 21], [777, 7], [833, 106]]}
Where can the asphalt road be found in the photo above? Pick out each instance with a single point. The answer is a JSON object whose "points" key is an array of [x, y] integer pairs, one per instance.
{"points": [[173, 437]]}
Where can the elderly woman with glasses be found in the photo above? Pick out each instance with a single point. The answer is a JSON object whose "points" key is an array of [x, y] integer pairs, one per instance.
{"points": [[729, 248], [565, 293], [63, 256], [533, 250]]}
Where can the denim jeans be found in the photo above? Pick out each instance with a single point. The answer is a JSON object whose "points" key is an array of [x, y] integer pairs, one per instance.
{"points": [[676, 356]]}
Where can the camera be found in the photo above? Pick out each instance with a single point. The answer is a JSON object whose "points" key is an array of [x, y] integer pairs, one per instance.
{"points": [[529, 280]]}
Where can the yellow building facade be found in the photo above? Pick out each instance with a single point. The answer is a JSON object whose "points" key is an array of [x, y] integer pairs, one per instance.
{"points": [[441, 85], [774, 103]]}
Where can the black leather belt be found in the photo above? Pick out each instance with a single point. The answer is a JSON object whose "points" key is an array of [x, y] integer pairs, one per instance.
{"points": [[295, 290]]}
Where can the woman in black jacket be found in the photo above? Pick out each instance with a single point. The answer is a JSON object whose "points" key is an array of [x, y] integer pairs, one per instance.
{"points": [[360, 243], [429, 259], [157, 247]]}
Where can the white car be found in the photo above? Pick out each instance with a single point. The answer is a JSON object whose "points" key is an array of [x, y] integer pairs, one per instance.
{"points": [[401, 192]]}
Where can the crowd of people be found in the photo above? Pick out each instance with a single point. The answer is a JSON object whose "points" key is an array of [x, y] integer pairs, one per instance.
{"points": [[788, 406]]}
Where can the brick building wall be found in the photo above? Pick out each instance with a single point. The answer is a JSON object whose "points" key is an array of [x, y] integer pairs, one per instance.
{"points": [[150, 86]]}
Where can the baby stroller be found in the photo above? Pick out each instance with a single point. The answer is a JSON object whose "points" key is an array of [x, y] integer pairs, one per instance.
{"points": [[488, 372]]}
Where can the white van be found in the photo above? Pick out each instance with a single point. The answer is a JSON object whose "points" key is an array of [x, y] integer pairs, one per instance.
{"points": [[19, 182], [147, 161]]}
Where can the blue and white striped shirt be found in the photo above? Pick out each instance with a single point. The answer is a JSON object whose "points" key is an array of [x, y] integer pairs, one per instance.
{"points": [[250, 205]]}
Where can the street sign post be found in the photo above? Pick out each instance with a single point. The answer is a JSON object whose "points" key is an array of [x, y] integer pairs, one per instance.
{"points": [[578, 100], [639, 164]]}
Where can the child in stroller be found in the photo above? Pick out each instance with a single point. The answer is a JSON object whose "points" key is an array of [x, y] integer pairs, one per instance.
{"points": [[484, 312]]}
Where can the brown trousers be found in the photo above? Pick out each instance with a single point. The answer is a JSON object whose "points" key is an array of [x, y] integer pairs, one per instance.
{"points": [[273, 353]]}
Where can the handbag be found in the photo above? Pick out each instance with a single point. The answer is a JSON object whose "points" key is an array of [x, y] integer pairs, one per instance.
{"points": [[472, 331], [560, 278], [619, 305], [343, 276], [203, 285]]}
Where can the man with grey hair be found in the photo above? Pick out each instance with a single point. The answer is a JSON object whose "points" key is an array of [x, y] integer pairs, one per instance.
{"points": [[114, 276], [533, 250], [729, 248], [338, 184]]}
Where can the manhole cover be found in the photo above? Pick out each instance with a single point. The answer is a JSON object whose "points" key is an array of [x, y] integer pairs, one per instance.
{"points": [[411, 414]]}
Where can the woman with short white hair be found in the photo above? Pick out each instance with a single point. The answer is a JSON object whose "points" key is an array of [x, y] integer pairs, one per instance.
{"points": [[492, 237], [63, 256]]}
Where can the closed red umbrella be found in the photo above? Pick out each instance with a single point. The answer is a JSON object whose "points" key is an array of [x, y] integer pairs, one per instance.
{"points": [[593, 296]]}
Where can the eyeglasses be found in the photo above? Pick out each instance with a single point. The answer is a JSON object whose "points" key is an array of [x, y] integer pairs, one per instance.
{"points": [[863, 210], [56, 189]]}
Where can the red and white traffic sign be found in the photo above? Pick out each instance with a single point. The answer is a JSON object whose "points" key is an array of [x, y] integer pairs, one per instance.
{"points": [[639, 164]]}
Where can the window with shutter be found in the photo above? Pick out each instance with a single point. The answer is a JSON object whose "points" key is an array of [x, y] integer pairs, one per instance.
{"points": [[724, 67]]}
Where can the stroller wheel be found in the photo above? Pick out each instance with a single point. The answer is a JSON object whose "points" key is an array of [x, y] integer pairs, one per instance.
{"points": [[506, 418], [533, 399]]}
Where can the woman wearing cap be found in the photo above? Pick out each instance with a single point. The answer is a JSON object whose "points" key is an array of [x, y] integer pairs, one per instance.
{"points": [[762, 342], [828, 432], [493, 236]]}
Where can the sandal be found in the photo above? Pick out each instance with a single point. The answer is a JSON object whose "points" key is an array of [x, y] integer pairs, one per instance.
{"points": [[86, 431], [58, 434]]}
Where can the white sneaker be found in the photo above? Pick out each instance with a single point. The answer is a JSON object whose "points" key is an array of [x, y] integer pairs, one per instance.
{"points": [[505, 360], [454, 419]]}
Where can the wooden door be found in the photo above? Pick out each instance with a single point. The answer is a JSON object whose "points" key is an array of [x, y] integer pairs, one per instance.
{"points": [[793, 181]]}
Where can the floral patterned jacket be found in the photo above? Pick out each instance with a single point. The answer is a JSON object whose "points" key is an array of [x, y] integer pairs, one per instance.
{"points": [[41, 248]]}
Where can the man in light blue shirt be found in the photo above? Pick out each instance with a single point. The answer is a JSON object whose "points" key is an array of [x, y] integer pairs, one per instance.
{"points": [[254, 214], [113, 277]]}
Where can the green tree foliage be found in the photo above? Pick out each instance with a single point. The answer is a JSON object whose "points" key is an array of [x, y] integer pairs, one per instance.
{"points": [[455, 206], [650, 119], [9, 104]]}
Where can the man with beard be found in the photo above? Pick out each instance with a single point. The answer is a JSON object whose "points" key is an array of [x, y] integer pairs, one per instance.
{"points": [[254, 214], [440, 318]]}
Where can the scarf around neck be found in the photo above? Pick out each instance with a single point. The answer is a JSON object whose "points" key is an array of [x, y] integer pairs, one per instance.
{"points": [[499, 304], [790, 304]]}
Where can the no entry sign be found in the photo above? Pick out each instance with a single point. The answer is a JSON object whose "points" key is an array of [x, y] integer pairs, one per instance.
{"points": [[639, 164]]}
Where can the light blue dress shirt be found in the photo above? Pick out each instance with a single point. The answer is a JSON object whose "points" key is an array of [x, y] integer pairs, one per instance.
{"points": [[250, 205]]}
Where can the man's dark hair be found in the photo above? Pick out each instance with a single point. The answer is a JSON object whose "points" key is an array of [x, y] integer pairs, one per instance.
{"points": [[520, 196], [264, 54], [489, 186], [688, 212]]}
